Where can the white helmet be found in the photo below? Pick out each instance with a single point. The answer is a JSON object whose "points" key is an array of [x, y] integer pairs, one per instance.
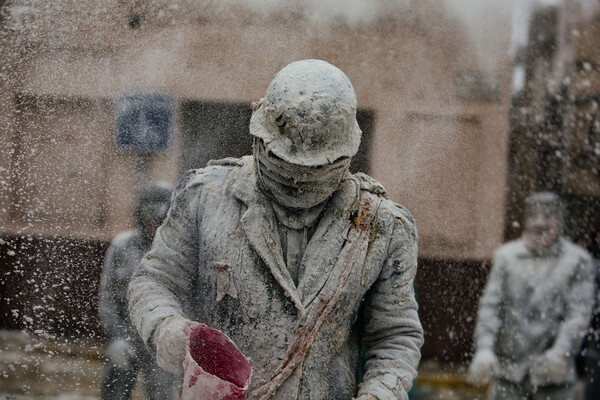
{"points": [[308, 115]]}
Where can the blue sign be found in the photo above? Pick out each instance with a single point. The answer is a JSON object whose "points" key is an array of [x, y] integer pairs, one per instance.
{"points": [[144, 122]]}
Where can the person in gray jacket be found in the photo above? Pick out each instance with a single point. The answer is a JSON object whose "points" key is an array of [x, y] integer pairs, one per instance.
{"points": [[126, 354], [287, 247], [535, 310]]}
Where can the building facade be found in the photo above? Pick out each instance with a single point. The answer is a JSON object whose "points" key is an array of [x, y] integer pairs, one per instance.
{"points": [[434, 110]]}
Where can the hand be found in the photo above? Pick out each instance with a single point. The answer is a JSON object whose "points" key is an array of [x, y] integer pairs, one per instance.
{"points": [[550, 368], [170, 340], [483, 367], [119, 352]]}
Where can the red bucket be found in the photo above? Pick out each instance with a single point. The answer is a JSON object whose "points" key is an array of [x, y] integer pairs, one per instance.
{"points": [[214, 368]]}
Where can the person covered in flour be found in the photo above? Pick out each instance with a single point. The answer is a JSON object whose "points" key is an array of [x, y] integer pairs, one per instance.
{"points": [[294, 258], [534, 311], [126, 355]]}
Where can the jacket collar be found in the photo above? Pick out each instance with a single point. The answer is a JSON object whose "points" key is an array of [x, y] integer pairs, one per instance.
{"points": [[554, 250], [260, 225]]}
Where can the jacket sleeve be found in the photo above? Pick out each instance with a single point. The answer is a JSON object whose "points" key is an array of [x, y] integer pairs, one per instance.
{"points": [[165, 278], [108, 306], [490, 306], [393, 335], [579, 304]]}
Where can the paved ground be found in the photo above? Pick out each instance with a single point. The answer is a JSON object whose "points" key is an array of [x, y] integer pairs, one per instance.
{"points": [[445, 381], [42, 367], [38, 367]]}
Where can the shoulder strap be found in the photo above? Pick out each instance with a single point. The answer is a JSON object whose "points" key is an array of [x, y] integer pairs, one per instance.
{"points": [[357, 239]]}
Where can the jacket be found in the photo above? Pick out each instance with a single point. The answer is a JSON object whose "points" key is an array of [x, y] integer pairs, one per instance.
{"points": [[217, 259], [122, 259], [535, 300]]}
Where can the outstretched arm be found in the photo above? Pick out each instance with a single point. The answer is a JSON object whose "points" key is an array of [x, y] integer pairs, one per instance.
{"points": [[488, 314], [580, 301], [393, 334], [484, 364], [164, 281]]}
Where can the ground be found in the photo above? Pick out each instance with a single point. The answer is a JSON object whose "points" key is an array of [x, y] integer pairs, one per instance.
{"points": [[41, 367]]}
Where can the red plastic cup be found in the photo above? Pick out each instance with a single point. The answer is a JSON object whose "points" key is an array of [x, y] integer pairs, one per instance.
{"points": [[214, 368]]}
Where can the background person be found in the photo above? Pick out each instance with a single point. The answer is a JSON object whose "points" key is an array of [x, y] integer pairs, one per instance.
{"points": [[591, 346], [126, 354], [535, 310]]}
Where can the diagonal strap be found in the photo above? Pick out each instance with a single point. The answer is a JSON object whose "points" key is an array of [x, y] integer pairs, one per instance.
{"points": [[357, 239]]}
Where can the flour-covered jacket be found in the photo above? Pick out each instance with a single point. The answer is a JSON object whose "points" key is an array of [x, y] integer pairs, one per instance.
{"points": [[122, 259], [217, 259], [534, 301]]}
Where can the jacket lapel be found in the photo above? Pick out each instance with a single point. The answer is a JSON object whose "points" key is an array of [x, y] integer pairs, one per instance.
{"points": [[260, 226], [327, 241]]}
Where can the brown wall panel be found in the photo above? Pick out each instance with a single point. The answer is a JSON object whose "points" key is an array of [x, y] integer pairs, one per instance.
{"points": [[448, 295], [58, 169], [51, 284]]}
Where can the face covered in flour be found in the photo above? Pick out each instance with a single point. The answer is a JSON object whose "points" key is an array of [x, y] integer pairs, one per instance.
{"points": [[297, 186], [152, 208], [305, 133], [543, 220]]}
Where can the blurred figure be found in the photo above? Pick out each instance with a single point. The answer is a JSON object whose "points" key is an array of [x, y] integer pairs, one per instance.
{"points": [[534, 310], [591, 347], [126, 354]]}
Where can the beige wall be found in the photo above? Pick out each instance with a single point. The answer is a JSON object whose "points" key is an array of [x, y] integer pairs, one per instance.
{"points": [[442, 157]]}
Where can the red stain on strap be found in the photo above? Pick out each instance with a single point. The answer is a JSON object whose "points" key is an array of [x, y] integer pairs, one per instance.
{"points": [[193, 379]]}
